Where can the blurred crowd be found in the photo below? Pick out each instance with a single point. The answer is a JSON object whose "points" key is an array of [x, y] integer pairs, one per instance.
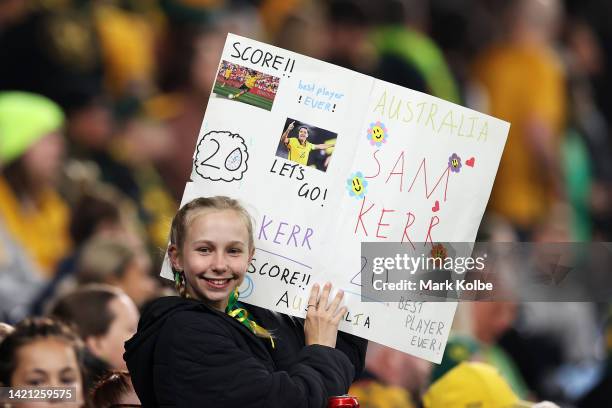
{"points": [[100, 106]]}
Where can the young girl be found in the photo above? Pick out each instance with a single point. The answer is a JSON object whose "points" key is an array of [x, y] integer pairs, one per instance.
{"points": [[44, 353], [205, 349]]}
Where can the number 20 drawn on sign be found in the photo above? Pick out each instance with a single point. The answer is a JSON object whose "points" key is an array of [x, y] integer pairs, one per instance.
{"points": [[364, 262], [221, 156]]}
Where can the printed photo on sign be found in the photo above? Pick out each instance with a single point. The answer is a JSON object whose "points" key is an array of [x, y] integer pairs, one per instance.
{"points": [[247, 85], [306, 144]]}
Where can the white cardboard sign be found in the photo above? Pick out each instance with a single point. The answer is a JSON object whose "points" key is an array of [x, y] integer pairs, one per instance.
{"points": [[404, 167]]}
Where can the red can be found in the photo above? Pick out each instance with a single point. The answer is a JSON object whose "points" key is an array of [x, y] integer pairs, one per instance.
{"points": [[344, 401]]}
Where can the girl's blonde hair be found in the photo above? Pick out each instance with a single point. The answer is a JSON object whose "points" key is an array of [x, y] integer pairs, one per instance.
{"points": [[219, 203]]}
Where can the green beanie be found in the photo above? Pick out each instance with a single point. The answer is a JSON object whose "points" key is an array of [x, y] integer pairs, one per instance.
{"points": [[24, 119]]}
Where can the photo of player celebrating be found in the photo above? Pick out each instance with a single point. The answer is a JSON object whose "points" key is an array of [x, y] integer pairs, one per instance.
{"points": [[239, 83], [298, 140]]}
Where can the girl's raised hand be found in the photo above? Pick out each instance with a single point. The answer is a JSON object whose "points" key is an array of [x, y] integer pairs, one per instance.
{"points": [[323, 317]]}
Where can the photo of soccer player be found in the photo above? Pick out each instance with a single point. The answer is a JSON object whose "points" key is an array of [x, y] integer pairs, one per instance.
{"points": [[306, 144], [249, 82], [247, 85]]}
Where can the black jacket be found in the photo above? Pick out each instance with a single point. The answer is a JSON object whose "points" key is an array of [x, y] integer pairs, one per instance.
{"points": [[186, 354]]}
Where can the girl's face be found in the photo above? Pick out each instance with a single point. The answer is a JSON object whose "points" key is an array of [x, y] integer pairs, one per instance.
{"points": [[48, 362], [215, 255]]}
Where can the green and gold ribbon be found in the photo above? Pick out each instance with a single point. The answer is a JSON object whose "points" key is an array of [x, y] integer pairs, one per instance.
{"points": [[235, 310]]}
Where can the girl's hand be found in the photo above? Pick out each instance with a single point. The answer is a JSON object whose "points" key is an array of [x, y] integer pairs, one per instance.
{"points": [[323, 317]]}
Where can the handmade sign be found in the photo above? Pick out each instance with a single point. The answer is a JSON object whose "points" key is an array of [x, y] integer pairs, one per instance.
{"points": [[325, 158]]}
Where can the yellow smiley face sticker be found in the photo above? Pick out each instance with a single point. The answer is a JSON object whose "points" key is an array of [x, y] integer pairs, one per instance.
{"points": [[377, 134], [454, 163], [356, 185]]}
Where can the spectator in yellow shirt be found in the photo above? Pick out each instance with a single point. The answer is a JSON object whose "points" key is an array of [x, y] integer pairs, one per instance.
{"points": [[31, 150], [524, 84]]}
